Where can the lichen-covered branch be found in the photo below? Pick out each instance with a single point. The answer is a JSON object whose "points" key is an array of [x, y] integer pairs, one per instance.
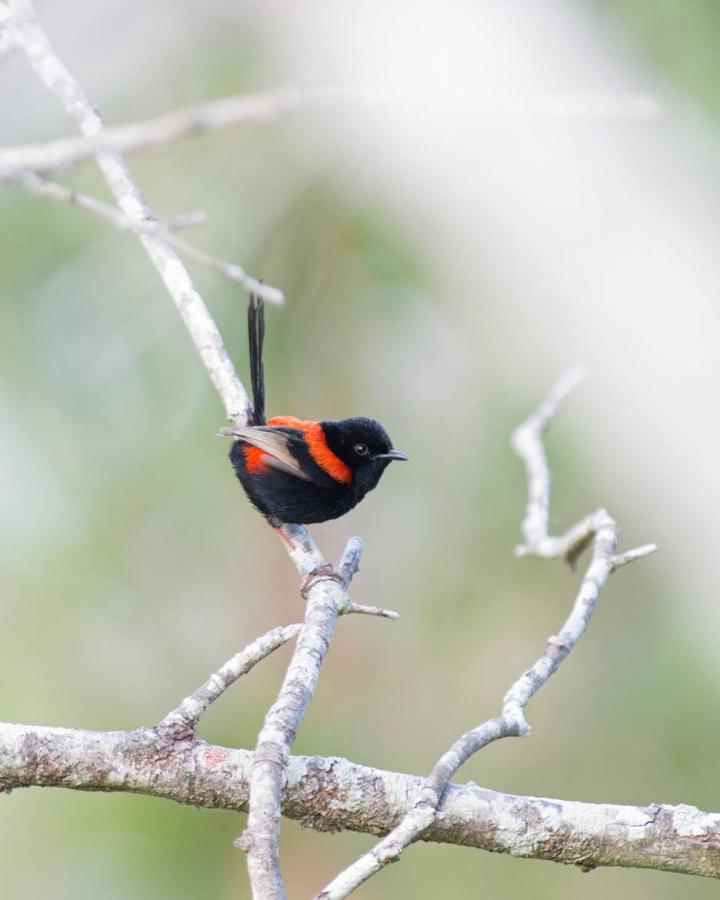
{"points": [[260, 841], [331, 794], [599, 529]]}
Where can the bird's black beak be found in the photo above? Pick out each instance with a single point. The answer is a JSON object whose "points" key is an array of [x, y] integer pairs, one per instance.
{"points": [[392, 454]]}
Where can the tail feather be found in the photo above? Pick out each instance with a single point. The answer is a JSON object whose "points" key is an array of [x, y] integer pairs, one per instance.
{"points": [[256, 336]]}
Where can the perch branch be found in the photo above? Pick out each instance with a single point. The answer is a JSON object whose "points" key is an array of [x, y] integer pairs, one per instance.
{"points": [[598, 528], [332, 794], [260, 840], [325, 591], [40, 187]]}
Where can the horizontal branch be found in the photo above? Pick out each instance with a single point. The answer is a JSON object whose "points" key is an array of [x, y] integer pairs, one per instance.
{"points": [[148, 133], [227, 111], [333, 794]]}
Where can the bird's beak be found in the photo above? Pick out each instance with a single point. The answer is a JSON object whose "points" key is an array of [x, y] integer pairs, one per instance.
{"points": [[392, 454]]}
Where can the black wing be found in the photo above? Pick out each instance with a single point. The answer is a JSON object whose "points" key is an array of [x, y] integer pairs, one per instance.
{"points": [[276, 445]]}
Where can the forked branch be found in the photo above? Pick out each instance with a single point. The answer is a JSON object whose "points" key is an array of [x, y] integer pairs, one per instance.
{"points": [[600, 530]]}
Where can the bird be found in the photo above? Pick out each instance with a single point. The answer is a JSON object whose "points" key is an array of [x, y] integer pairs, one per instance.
{"points": [[303, 471]]}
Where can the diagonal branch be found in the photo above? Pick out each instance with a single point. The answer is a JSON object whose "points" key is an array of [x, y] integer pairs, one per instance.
{"points": [[29, 35], [186, 716], [34, 184], [603, 532], [260, 841]]}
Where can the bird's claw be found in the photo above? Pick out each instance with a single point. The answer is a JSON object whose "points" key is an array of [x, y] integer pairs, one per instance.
{"points": [[326, 572]]}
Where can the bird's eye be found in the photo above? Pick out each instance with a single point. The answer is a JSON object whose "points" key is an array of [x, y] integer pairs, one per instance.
{"points": [[361, 449]]}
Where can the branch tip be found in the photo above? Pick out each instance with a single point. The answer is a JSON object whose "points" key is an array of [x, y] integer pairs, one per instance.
{"points": [[362, 610], [622, 559], [350, 560]]}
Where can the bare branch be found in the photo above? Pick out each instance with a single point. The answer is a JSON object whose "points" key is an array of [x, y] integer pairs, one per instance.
{"points": [[363, 610], [331, 794], [232, 271], [227, 111], [598, 528], [30, 36], [260, 841], [165, 129], [187, 220], [188, 713], [622, 559], [527, 441]]}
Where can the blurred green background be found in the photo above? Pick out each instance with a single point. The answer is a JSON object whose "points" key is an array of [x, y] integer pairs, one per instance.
{"points": [[132, 565]]}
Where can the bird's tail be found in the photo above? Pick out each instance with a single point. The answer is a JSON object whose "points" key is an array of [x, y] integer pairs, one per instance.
{"points": [[256, 336]]}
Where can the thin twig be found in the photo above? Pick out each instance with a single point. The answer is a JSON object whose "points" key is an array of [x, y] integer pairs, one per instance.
{"points": [[232, 271], [603, 532], [186, 220], [361, 609], [227, 111], [188, 713], [260, 840], [30, 36], [155, 132]]}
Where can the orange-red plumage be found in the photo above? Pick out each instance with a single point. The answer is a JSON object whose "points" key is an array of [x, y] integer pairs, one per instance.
{"points": [[317, 445], [294, 470]]}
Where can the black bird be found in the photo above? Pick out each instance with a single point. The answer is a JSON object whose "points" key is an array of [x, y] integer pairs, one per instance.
{"points": [[297, 471]]}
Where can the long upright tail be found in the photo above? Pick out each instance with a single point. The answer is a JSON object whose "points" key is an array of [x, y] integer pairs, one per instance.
{"points": [[256, 336]]}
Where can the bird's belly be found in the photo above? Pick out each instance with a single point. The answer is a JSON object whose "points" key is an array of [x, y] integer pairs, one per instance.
{"points": [[289, 499]]}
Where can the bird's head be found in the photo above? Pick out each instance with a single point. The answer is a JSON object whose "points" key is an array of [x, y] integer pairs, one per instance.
{"points": [[364, 446]]}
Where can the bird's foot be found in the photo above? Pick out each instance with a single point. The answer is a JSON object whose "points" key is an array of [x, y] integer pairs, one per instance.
{"points": [[326, 572]]}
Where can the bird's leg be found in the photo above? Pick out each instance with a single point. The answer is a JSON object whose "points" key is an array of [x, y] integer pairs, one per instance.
{"points": [[325, 571]]}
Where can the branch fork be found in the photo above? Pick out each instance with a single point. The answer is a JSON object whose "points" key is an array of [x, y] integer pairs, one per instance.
{"points": [[599, 530]]}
